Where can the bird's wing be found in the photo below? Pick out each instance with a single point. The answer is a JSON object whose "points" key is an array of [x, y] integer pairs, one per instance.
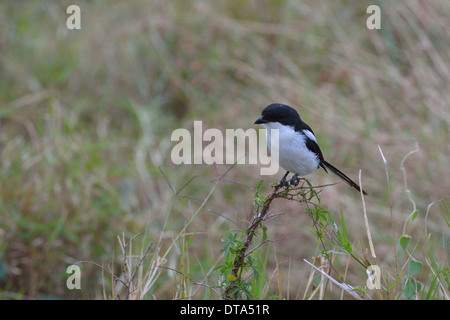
{"points": [[312, 145]]}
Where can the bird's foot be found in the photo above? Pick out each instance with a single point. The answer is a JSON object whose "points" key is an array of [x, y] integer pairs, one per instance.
{"points": [[294, 180], [283, 183]]}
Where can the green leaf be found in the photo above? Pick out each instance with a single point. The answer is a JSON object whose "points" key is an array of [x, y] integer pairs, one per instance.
{"points": [[444, 210], [264, 229], [260, 186], [446, 275], [344, 241], [394, 282], [414, 214], [231, 277], [414, 267], [404, 240], [410, 288]]}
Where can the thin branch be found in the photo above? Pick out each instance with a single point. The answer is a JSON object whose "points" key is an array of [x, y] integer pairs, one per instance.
{"points": [[103, 268], [167, 180], [294, 194], [140, 261], [347, 288], [128, 274], [230, 168], [175, 192], [392, 214], [188, 277], [366, 221]]}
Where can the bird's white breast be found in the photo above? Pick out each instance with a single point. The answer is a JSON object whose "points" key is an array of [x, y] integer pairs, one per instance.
{"points": [[294, 156]]}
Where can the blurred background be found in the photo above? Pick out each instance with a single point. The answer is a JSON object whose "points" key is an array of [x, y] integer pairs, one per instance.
{"points": [[86, 118]]}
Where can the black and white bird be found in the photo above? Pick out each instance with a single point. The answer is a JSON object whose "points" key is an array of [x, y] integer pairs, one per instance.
{"points": [[298, 150]]}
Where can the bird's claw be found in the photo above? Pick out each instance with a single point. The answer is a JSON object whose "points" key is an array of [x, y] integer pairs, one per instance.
{"points": [[294, 180], [283, 183]]}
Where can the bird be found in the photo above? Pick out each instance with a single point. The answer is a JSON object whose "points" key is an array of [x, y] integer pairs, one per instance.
{"points": [[299, 151]]}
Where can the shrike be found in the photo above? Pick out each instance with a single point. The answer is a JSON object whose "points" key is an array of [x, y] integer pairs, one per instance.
{"points": [[299, 152]]}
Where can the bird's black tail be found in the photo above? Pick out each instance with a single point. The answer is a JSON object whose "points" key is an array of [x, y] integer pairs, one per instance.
{"points": [[341, 175]]}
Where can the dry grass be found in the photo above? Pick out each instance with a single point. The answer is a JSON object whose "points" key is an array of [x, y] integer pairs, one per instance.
{"points": [[86, 118]]}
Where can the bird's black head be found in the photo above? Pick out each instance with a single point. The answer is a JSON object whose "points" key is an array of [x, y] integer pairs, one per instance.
{"points": [[277, 112]]}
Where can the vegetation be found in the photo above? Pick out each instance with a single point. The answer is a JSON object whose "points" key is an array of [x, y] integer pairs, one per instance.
{"points": [[86, 177]]}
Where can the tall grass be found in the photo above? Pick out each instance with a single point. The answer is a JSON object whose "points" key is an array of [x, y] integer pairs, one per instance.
{"points": [[85, 124]]}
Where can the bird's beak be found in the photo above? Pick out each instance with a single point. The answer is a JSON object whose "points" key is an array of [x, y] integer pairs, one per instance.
{"points": [[260, 120]]}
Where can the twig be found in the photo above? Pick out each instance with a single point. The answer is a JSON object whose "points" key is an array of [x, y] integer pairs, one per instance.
{"points": [[392, 214], [103, 268], [178, 192], [366, 221], [255, 224], [407, 191], [188, 277], [140, 261], [128, 274], [347, 288]]}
